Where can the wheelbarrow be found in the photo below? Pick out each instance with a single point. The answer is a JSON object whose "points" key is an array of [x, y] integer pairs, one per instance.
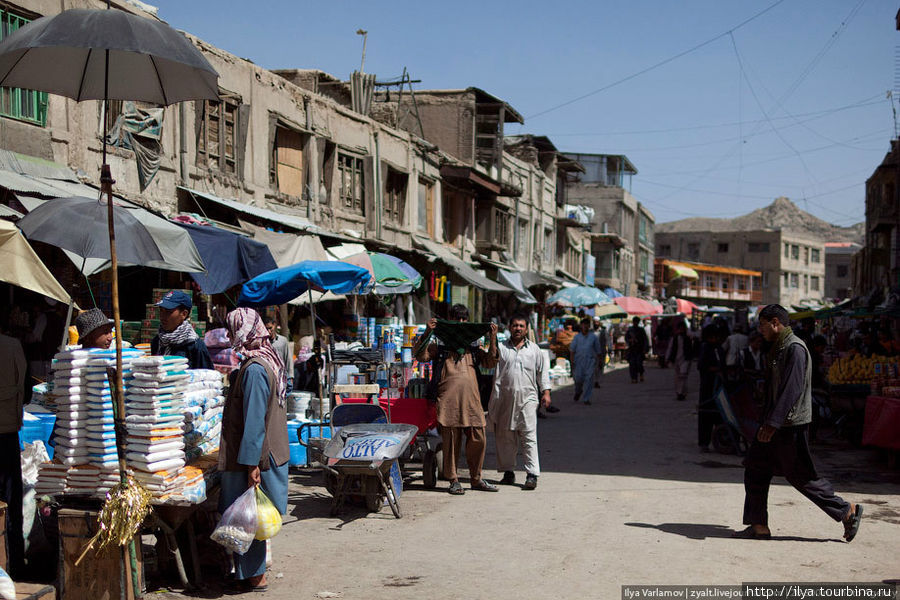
{"points": [[360, 457]]}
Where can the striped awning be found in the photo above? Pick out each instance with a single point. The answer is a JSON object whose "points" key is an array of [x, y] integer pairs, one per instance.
{"points": [[683, 271]]}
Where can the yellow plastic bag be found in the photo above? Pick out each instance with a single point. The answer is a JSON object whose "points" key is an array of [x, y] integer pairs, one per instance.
{"points": [[268, 519]]}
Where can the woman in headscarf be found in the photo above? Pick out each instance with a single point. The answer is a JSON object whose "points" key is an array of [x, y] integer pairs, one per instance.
{"points": [[254, 446]]}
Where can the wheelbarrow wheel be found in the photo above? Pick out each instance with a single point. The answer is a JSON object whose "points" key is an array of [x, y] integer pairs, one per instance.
{"points": [[374, 495], [430, 469]]}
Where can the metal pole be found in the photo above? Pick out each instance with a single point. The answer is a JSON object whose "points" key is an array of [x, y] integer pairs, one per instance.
{"points": [[365, 35]]}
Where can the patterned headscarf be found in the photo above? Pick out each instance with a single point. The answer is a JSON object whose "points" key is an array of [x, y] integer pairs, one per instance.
{"points": [[250, 338]]}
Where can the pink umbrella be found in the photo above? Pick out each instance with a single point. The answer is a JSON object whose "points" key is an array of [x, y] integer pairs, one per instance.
{"points": [[684, 306], [637, 306]]}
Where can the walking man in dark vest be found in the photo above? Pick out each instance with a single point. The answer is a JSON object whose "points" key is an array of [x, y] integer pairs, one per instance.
{"points": [[782, 441]]}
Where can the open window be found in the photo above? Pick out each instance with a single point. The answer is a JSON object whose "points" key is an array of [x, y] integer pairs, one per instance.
{"points": [[351, 180], [222, 134], [395, 183], [426, 207]]}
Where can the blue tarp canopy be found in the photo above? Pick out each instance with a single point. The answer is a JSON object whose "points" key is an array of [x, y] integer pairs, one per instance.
{"points": [[282, 285], [613, 293], [230, 258]]}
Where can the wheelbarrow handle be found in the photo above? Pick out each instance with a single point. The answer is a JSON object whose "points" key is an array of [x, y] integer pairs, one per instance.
{"points": [[308, 426]]}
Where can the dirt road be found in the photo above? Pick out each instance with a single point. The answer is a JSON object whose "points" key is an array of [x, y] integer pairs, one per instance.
{"points": [[625, 498]]}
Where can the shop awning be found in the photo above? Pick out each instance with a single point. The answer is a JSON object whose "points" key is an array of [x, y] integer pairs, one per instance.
{"points": [[230, 258], [289, 249], [683, 271], [292, 221], [23, 268], [460, 267], [533, 278], [514, 280]]}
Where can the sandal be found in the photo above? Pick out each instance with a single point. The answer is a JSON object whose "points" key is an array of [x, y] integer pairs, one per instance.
{"points": [[456, 489], [851, 526], [751, 534]]}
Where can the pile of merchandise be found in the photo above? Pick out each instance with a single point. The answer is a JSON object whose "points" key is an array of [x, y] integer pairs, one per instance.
{"points": [[154, 406], [204, 403]]}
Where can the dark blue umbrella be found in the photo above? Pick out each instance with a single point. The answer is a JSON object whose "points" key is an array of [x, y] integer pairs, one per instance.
{"points": [[285, 284], [230, 258]]}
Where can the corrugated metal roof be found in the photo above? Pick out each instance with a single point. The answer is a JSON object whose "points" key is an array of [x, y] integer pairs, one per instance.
{"points": [[292, 221], [6, 211], [35, 167], [461, 268]]}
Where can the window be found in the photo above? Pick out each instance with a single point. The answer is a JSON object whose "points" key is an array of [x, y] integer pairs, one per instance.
{"points": [[522, 248], [395, 195], [350, 175], [725, 282], [814, 255], [756, 282], [25, 105], [217, 137], [693, 251], [664, 250], [741, 283], [286, 166], [501, 227], [814, 283], [843, 270], [723, 248], [805, 255], [757, 246], [787, 280], [795, 280], [805, 282], [787, 250], [548, 246], [426, 206], [709, 281], [795, 252]]}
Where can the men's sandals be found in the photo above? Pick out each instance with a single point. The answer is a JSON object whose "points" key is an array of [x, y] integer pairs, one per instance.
{"points": [[484, 486], [851, 525], [751, 534], [456, 489]]}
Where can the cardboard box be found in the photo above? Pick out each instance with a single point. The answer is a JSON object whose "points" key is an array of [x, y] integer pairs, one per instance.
{"points": [[98, 575]]}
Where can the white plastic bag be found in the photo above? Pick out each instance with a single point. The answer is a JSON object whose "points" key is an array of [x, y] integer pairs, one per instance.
{"points": [[237, 529], [7, 587]]}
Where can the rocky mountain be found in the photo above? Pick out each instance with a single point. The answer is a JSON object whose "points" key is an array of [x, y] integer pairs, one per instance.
{"points": [[781, 214]]}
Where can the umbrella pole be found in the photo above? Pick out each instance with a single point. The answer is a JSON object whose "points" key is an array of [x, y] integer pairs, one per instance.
{"points": [[317, 346], [106, 183]]}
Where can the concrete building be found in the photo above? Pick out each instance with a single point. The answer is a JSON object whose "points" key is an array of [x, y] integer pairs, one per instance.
{"points": [[703, 284], [838, 269], [622, 231], [791, 265], [877, 264]]}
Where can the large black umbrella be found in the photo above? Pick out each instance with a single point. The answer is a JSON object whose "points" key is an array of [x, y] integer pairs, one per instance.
{"points": [[78, 225], [101, 55]]}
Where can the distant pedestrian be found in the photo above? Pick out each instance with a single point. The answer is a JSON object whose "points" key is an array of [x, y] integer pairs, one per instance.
{"points": [[521, 384], [638, 344], [782, 444], [283, 347], [681, 354], [710, 363], [605, 349], [585, 351]]}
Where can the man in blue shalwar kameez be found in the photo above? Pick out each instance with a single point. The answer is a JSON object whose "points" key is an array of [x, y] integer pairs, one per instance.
{"points": [[584, 351], [254, 448]]}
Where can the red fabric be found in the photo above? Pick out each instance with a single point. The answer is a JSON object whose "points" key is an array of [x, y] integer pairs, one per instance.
{"points": [[882, 424], [685, 306]]}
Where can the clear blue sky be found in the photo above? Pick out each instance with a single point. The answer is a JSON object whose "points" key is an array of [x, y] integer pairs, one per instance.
{"points": [[792, 103]]}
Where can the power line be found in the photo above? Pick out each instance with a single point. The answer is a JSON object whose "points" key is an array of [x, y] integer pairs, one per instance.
{"points": [[870, 101], [657, 65]]}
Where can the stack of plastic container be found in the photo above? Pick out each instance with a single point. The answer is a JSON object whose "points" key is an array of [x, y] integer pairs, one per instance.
{"points": [[204, 403], [154, 407]]}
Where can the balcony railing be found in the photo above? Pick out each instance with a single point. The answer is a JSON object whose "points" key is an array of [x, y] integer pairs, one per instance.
{"points": [[715, 293]]}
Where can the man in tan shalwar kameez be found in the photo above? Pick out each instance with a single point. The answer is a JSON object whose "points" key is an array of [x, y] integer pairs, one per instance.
{"points": [[459, 410]]}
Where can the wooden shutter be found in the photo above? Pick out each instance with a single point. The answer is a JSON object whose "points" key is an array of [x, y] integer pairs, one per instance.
{"points": [[289, 158], [243, 124]]}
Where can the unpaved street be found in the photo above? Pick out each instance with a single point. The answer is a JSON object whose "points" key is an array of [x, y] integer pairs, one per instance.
{"points": [[625, 498]]}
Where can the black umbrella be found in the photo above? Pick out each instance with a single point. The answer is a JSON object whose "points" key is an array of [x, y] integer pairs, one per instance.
{"points": [[101, 55], [78, 225]]}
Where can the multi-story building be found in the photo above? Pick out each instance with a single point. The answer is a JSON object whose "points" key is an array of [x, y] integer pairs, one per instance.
{"points": [[294, 151], [877, 264], [791, 265], [622, 230], [704, 284], [838, 269]]}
